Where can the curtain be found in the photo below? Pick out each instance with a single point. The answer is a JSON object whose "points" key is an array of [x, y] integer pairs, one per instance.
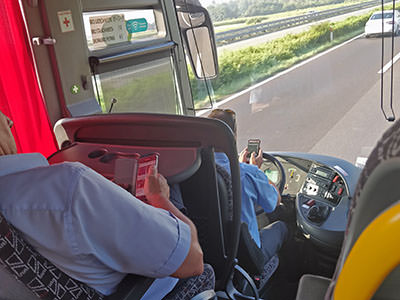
{"points": [[20, 95]]}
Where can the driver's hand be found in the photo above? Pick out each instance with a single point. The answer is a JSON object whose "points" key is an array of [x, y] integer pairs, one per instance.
{"points": [[156, 188], [257, 160], [243, 156]]}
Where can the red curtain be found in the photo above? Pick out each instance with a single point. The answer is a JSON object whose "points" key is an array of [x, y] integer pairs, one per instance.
{"points": [[20, 95]]}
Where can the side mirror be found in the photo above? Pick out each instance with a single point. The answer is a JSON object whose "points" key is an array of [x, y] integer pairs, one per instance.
{"points": [[198, 35]]}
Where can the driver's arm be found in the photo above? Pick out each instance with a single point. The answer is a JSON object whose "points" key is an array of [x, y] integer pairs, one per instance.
{"points": [[258, 160], [277, 191]]}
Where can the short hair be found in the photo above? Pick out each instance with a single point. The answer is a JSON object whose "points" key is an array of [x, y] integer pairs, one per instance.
{"points": [[226, 115]]}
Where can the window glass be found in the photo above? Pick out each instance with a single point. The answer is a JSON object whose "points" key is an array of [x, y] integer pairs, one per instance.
{"points": [[115, 27], [305, 76], [139, 88], [379, 16]]}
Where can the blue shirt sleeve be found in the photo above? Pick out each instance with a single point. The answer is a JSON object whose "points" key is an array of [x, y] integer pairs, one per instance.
{"points": [[256, 185], [126, 234]]}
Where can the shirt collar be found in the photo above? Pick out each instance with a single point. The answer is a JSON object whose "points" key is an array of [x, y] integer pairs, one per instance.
{"points": [[10, 164]]}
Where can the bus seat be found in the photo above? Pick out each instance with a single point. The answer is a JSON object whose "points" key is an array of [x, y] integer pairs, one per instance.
{"points": [[249, 255], [39, 276], [377, 189], [199, 186], [11, 289], [27, 275]]}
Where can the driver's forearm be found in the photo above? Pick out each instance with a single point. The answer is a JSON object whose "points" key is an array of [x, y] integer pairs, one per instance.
{"points": [[278, 202]]}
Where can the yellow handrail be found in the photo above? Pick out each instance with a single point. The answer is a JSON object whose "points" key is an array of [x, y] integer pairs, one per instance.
{"points": [[374, 255]]}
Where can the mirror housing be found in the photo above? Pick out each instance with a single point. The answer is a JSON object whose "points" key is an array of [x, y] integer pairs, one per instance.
{"points": [[198, 35]]}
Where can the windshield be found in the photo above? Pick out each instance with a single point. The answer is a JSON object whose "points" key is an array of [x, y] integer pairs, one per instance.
{"points": [[302, 75], [379, 16]]}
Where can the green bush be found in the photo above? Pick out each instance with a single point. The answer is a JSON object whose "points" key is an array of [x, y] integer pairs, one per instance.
{"points": [[242, 68]]}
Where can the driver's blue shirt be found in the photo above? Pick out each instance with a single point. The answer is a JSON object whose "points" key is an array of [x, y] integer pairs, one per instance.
{"points": [[90, 228], [255, 190]]}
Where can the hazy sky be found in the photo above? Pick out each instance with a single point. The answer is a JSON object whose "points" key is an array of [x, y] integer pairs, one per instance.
{"points": [[206, 3]]}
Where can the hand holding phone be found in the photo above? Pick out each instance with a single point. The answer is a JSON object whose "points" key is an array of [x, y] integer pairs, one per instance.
{"points": [[144, 164], [253, 145], [156, 189]]}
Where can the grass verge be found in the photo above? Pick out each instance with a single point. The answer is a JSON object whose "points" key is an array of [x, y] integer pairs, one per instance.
{"points": [[243, 68]]}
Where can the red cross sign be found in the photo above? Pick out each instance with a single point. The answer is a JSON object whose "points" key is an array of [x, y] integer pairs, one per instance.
{"points": [[65, 20]]}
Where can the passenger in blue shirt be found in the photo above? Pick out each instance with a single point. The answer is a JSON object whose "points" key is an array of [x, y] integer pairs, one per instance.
{"points": [[97, 232], [257, 189]]}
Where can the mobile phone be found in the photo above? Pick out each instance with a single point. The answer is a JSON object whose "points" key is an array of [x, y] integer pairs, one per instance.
{"points": [[253, 145], [144, 164]]}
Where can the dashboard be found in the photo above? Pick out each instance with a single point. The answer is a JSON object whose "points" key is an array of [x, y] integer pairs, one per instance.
{"points": [[295, 169], [321, 187]]}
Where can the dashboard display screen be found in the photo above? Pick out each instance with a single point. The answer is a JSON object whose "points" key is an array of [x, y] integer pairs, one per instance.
{"points": [[272, 175], [322, 173]]}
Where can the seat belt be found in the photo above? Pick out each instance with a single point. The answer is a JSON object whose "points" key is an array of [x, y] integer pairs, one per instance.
{"points": [[37, 273]]}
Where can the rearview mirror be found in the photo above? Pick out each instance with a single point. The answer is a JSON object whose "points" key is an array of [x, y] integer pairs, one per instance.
{"points": [[198, 35]]}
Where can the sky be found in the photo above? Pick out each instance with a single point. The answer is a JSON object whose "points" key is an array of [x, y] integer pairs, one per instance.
{"points": [[206, 3]]}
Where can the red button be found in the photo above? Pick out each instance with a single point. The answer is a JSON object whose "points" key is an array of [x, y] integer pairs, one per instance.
{"points": [[340, 191], [336, 178], [310, 202]]}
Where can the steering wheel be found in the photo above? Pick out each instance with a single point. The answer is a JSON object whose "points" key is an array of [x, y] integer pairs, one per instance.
{"points": [[281, 171]]}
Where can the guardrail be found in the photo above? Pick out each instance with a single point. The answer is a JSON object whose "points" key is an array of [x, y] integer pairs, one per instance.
{"points": [[267, 27]]}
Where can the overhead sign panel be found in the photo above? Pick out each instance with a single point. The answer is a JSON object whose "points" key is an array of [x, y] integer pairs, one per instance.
{"points": [[108, 30]]}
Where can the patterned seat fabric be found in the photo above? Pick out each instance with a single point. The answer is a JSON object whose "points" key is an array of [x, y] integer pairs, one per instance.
{"points": [[38, 274]]}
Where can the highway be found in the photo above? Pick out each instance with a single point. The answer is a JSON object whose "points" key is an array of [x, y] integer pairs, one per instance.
{"points": [[327, 105], [281, 33]]}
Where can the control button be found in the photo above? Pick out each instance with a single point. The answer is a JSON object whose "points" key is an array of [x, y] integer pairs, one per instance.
{"points": [[310, 202], [340, 191], [336, 178]]}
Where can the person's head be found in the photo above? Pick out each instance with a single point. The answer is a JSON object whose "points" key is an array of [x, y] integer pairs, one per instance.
{"points": [[7, 142], [226, 115]]}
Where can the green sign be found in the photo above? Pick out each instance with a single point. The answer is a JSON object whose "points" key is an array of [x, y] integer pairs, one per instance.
{"points": [[136, 25], [75, 89]]}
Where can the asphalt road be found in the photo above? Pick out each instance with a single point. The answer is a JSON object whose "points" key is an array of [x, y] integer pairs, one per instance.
{"points": [[328, 105]]}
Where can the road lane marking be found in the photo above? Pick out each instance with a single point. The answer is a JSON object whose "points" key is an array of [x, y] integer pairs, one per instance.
{"points": [[389, 64], [276, 76]]}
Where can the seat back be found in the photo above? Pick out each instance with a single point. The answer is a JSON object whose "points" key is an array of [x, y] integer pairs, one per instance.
{"points": [[375, 254], [199, 183], [207, 207], [378, 188], [249, 255]]}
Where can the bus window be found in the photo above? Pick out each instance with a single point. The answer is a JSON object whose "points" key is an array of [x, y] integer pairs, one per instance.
{"points": [[135, 66], [139, 88]]}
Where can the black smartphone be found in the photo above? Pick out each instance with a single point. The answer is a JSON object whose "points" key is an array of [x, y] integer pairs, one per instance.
{"points": [[253, 145]]}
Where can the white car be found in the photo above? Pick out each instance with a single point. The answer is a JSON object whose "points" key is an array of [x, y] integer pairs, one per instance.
{"points": [[374, 24]]}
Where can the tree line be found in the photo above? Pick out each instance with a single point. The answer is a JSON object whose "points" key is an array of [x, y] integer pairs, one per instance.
{"points": [[249, 8]]}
